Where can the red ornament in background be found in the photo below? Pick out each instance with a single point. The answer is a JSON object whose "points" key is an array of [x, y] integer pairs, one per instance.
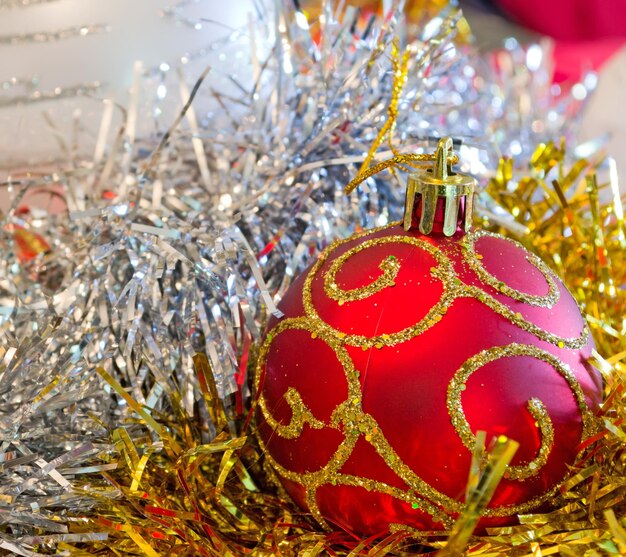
{"points": [[398, 345], [586, 34], [28, 244]]}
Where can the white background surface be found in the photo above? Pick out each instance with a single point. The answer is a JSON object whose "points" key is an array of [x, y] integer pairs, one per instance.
{"points": [[137, 32]]}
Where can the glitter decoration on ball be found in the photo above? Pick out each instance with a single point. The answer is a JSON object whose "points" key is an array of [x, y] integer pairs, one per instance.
{"points": [[399, 344]]}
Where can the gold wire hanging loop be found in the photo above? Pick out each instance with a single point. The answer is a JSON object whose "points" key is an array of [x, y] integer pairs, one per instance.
{"points": [[400, 65], [411, 159]]}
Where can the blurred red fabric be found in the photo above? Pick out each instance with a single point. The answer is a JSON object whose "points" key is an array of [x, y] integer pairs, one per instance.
{"points": [[570, 20], [586, 32]]}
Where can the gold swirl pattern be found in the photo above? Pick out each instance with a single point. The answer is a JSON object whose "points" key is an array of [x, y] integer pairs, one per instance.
{"points": [[350, 419], [474, 261], [539, 412], [390, 267], [444, 271], [300, 415], [535, 407], [453, 288]]}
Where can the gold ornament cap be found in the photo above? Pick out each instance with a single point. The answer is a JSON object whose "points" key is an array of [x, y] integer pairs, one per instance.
{"points": [[439, 199]]}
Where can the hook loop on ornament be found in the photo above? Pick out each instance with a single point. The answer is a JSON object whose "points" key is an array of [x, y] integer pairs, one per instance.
{"points": [[439, 199]]}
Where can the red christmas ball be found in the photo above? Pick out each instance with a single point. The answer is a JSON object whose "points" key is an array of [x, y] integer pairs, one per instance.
{"points": [[396, 347]]}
